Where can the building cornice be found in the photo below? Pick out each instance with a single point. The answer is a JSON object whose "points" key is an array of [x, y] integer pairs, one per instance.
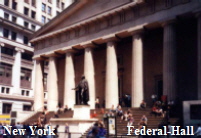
{"points": [[84, 22], [16, 26], [21, 15]]}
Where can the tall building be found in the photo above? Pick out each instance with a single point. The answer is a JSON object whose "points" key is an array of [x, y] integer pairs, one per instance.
{"points": [[19, 19]]}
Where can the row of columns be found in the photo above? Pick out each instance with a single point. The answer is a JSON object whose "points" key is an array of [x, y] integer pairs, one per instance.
{"points": [[111, 90]]}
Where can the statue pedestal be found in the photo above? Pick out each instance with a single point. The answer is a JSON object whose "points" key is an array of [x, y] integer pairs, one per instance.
{"points": [[81, 112]]}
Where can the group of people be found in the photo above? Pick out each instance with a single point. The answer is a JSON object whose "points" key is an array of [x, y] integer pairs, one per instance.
{"points": [[60, 110]]}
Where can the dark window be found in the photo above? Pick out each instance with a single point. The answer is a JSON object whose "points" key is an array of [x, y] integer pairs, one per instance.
{"points": [[26, 41], [6, 16], [23, 92], [27, 1], [26, 11], [62, 5], [14, 5], [5, 33], [25, 79], [33, 14], [5, 75], [33, 3], [33, 27], [6, 2], [26, 107], [7, 90], [50, 1], [45, 81], [43, 19], [58, 3], [27, 56], [49, 10], [27, 93], [43, 7], [58, 12], [26, 24], [2, 89], [14, 19], [7, 51], [13, 35], [7, 108]]}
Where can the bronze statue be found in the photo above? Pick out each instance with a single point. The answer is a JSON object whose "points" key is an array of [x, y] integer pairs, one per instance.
{"points": [[82, 92]]}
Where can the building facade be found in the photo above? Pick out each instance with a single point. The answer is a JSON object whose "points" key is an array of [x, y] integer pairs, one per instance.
{"points": [[19, 19], [139, 48]]}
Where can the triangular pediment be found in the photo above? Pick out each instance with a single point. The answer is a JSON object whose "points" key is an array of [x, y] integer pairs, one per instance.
{"points": [[79, 12]]}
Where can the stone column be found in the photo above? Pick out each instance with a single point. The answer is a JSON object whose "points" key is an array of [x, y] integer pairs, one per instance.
{"points": [[52, 88], [39, 89], [89, 74], [199, 54], [69, 95], [111, 93], [169, 60], [17, 71], [137, 69]]}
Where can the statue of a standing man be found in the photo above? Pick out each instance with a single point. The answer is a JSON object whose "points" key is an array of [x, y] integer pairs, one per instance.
{"points": [[83, 91]]}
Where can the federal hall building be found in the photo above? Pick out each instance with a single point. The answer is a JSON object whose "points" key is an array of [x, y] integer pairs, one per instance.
{"points": [[133, 47]]}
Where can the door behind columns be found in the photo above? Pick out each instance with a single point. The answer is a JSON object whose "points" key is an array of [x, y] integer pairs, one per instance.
{"points": [[158, 86]]}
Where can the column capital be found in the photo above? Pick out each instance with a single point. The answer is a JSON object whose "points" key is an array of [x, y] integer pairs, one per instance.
{"points": [[88, 44], [19, 50], [136, 32], [110, 38], [168, 22]]}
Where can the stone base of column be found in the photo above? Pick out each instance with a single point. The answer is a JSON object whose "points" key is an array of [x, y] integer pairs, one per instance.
{"points": [[81, 112]]}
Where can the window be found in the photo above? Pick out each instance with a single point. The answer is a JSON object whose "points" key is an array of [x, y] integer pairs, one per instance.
{"points": [[33, 14], [14, 5], [26, 107], [26, 24], [25, 79], [43, 7], [6, 2], [7, 51], [58, 12], [23, 92], [14, 19], [26, 40], [43, 19], [5, 75], [33, 27], [27, 56], [7, 108], [7, 90], [27, 93], [27, 1], [6, 16], [45, 81], [58, 3], [26, 11], [2, 89], [49, 10], [33, 3], [6, 33], [50, 1], [13, 35], [62, 6]]}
